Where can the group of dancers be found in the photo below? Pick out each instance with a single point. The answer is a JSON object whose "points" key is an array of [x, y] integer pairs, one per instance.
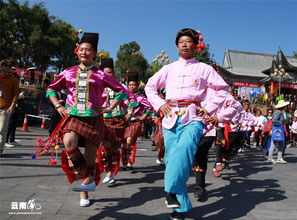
{"points": [[105, 117]]}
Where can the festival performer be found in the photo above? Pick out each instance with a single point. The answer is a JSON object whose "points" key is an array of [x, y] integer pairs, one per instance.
{"points": [[186, 82], [82, 124], [227, 114], [258, 133], [158, 137], [293, 129], [135, 118], [248, 123], [114, 122]]}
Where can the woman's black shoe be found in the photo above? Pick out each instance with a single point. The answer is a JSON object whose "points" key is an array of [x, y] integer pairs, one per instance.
{"points": [[199, 192], [177, 215], [171, 201]]}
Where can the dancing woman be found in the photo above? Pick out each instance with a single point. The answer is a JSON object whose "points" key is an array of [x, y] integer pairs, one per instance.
{"points": [[82, 125]]}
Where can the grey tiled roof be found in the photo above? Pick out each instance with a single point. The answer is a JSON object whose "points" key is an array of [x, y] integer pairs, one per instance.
{"points": [[243, 63]]}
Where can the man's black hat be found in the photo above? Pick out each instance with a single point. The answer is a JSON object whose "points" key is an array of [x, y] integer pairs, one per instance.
{"points": [[91, 38], [106, 62], [187, 32]]}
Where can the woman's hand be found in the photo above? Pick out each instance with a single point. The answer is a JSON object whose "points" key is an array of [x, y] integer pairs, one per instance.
{"points": [[141, 118], [62, 111], [106, 110], [127, 117], [212, 119], [166, 109], [203, 113]]}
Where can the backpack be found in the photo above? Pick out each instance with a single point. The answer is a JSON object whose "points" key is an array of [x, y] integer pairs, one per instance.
{"points": [[268, 126]]}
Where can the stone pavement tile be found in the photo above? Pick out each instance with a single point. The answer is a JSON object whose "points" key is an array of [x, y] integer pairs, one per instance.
{"points": [[44, 216], [289, 204], [5, 186], [43, 187], [71, 208], [128, 216], [275, 214], [14, 196], [4, 215]]}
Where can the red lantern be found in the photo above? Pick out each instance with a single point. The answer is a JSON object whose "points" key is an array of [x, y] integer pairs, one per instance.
{"points": [[199, 50], [201, 46], [76, 32]]}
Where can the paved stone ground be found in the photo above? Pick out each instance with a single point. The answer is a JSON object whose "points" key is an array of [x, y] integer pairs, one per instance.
{"points": [[252, 190]]}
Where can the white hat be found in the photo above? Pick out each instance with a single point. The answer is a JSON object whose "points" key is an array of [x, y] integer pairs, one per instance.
{"points": [[281, 104]]}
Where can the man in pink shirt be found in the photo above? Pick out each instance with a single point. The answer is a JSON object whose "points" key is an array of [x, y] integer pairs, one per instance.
{"points": [[186, 82]]}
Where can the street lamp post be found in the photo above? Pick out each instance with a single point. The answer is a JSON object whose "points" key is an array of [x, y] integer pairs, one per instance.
{"points": [[280, 74]]}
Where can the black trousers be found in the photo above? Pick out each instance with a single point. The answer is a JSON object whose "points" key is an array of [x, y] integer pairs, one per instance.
{"points": [[12, 125], [234, 144], [201, 159], [55, 119], [265, 140]]}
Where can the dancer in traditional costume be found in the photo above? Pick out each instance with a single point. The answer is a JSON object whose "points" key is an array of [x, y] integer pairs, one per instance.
{"points": [[82, 124], [228, 113], [248, 123], [158, 137], [135, 118], [109, 154], [186, 82]]}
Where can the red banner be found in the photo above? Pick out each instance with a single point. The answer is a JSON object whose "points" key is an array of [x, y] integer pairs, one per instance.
{"points": [[289, 85], [247, 84]]}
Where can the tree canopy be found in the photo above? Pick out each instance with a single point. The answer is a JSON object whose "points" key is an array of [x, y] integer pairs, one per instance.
{"points": [[130, 58], [31, 37]]}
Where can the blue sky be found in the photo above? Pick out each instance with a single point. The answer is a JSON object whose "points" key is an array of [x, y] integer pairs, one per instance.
{"points": [[256, 26]]}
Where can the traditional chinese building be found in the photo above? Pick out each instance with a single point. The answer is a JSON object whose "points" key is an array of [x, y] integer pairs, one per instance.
{"points": [[244, 70]]}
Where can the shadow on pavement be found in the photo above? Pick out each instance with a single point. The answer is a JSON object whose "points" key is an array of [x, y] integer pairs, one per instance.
{"points": [[242, 194], [145, 195]]}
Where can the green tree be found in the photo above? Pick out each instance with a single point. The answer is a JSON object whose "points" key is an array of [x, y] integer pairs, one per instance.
{"points": [[62, 41], [129, 58], [31, 37], [295, 54]]}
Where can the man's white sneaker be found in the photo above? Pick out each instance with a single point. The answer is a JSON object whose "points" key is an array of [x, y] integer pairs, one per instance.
{"points": [[158, 161], [9, 145], [109, 179], [84, 202], [271, 160], [281, 160], [15, 143]]}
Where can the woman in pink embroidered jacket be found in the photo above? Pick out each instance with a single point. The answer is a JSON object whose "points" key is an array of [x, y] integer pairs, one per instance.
{"points": [[186, 82], [114, 127], [135, 118], [83, 121]]}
